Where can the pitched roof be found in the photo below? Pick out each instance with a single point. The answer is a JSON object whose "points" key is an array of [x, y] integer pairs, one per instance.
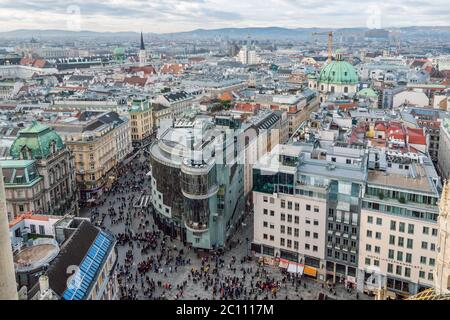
{"points": [[71, 254], [136, 81]]}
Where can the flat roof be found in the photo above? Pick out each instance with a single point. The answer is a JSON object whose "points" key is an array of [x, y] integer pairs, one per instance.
{"points": [[393, 180], [35, 256]]}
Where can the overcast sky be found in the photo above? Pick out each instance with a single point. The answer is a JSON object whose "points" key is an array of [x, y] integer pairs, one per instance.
{"points": [[163, 16]]}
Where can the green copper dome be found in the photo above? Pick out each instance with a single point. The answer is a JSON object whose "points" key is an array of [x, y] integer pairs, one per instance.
{"points": [[338, 72], [37, 141], [368, 93]]}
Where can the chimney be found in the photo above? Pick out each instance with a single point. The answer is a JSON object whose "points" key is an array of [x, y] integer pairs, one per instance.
{"points": [[43, 284]]}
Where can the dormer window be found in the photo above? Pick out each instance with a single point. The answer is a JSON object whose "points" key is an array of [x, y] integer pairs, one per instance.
{"points": [[25, 153], [53, 147]]}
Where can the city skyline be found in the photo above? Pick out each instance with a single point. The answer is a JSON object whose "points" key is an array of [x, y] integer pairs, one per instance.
{"points": [[181, 15]]}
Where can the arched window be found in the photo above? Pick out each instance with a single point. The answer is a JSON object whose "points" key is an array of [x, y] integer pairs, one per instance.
{"points": [[345, 89], [321, 87], [332, 89]]}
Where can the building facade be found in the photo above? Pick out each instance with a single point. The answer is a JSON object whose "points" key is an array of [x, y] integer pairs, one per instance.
{"points": [[141, 119], [47, 187], [197, 182], [310, 205], [99, 141], [399, 231]]}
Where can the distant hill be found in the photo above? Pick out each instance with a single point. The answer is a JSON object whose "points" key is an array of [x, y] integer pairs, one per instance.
{"points": [[270, 33]]}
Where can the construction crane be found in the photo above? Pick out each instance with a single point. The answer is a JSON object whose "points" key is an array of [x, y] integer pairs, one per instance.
{"points": [[330, 43]]}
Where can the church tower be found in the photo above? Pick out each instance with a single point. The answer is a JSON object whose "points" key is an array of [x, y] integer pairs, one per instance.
{"points": [[8, 287], [142, 53]]}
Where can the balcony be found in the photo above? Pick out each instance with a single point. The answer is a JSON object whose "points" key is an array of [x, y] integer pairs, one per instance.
{"points": [[196, 226]]}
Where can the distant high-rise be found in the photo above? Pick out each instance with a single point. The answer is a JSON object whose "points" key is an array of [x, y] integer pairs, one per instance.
{"points": [[248, 56], [142, 53], [8, 288]]}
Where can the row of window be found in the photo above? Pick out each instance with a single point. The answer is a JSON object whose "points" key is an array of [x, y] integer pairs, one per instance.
{"points": [[401, 241], [338, 227], [290, 217], [345, 242], [402, 226], [292, 205], [288, 243], [341, 256]]}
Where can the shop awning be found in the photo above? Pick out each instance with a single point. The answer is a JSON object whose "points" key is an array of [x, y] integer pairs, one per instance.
{"points": [[351, 279], [310, 271], [284, 263], [295, 268]]}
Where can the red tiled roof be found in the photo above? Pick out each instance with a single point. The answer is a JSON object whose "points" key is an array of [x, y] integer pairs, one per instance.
{"points": [[172, 68], [416, 136], [146, 69], [28, 215], [226, 96], [38, 63], [346, 106], [249, 107], [380, 127], [135, 81]]}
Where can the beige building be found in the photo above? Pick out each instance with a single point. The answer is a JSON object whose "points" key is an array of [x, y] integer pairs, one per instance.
{"points": [[298, 108], [99, 141], [141, 120], [398, 233], [289, 218]]}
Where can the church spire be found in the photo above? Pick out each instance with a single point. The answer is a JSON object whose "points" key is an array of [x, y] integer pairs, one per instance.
{"points": [[142, 42]]}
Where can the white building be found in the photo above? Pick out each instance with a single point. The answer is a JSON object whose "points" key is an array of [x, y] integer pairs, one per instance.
{"points": [[414, 97], [290, 224], [398, 232], [248, 56]]}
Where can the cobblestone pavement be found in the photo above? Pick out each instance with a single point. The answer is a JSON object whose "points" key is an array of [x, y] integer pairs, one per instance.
{"points": [[308, 288]]}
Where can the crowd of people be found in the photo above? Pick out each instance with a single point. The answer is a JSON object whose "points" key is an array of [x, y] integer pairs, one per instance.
{"points": [[154, 266]]}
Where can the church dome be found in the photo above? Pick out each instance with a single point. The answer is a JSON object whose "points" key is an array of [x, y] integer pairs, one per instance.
{"points": [[37, 141], [338, 72]]}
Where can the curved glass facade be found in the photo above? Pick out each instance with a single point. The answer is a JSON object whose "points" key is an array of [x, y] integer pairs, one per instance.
{"points": [[167, 183], [196, 213], [198, 185]]}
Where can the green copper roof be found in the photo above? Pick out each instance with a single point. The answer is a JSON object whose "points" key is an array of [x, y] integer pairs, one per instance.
{"points": [[16, 163], [139, 105], [368, 92], [19, 173], [38, 139], [119, 50], [338, 72]]}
